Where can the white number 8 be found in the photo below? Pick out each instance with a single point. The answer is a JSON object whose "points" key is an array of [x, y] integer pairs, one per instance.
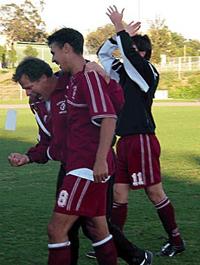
{"points": [[62, 199]]}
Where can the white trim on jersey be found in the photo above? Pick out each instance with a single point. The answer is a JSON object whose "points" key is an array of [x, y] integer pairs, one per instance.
{"points": [[101, 92], [48, 154], [155, 75], [131, 70], [94, 105], [94, 118], [91, 90], [84, 173], [48, 105], [106, 58], [41, 124]]}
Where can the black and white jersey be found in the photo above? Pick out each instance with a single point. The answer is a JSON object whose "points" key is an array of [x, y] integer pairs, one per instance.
{"points": [[139, 79]]}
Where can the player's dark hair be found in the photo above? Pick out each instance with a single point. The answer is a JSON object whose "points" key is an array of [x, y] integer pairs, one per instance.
{"points": [[143, 43], [33, 67], [67, 35]]}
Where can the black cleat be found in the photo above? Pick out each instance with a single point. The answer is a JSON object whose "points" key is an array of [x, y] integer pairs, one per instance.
{"points": [[170, 250], [91, 254], [148, 258]]}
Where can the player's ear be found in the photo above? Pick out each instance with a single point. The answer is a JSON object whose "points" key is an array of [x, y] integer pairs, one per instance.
{"points": [[67, 48]]}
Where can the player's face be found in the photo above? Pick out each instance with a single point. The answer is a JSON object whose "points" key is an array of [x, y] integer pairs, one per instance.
{"points": [[33, 87], [59, 56], [141, 53]]}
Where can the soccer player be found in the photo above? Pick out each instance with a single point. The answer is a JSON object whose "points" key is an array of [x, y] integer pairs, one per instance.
{"points": [[138, 150], [90, 128], [48, 103]]}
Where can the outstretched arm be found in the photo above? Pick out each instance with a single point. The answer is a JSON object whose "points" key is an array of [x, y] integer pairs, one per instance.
{"points": [[107, 131], [116, 17], [132, 28]]}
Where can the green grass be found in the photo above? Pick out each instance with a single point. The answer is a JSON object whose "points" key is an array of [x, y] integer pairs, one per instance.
{"points": [[27, 193]]}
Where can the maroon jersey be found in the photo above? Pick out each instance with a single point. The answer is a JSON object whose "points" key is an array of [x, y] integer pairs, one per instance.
{"points": [[88, 103], [52, 135]]}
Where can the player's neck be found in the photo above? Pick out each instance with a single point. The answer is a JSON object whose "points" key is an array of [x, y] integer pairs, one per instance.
{"points": [[78, 65]]}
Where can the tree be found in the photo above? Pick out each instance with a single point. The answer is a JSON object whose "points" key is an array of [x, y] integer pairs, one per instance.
{"points": [[96, 38], [30, 51], [164, 41], [192, 48], [161, 38], [172, 44], [12, 57], [3, 56], [22, 22]]}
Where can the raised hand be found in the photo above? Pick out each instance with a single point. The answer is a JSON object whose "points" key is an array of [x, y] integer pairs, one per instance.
{"points": [[132, 28], [115, 16]]}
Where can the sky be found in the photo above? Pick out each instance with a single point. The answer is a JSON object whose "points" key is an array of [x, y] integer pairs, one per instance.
{"points": [[181, 16]]}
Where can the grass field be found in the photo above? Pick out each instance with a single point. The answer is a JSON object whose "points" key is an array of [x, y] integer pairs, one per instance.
{"points": [[27, 193]]}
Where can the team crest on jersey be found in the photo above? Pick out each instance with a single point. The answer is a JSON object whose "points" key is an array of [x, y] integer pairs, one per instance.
{"points": [[137, 179], [62, 106], [62, 198]]}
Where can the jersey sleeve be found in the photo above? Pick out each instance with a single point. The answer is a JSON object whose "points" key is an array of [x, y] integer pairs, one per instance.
{"points": [[136, 67], [38, 153], [97, 97]]}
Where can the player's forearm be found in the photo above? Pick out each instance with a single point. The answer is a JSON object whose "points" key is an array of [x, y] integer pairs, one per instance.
{"points": [[119, 26], [106, 135]]}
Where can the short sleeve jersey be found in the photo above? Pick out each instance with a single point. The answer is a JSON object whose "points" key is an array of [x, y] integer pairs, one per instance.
{"points": [[87, 103]]}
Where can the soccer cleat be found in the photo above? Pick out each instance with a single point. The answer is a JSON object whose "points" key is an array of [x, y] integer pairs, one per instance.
{"points": [[91, 254], [148, 258], [170, 250]]}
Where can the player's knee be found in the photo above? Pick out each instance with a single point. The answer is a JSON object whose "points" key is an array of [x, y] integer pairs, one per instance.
{"points": [[155, 195], [120, 194], [55, 233], [97, 230], [51, 231]]}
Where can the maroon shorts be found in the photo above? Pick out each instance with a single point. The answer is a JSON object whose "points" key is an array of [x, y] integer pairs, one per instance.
{"points": [[81, 197], [138, 161]]}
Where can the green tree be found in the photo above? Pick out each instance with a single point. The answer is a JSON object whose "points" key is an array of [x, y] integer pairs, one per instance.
{"points": [[96, 38], [161, 38], [172, 44], [177, 45], [12, 57], [22, 22], [192, 48], [30, 51], [3, 56], [164, 41]]}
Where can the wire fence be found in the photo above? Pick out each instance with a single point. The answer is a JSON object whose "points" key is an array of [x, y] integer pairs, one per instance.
{"points": [[180, 64], [12, 92], [174, 64]]}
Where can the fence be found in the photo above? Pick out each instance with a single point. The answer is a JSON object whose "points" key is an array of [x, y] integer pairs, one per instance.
{"points": [[175, 64], [179, 64], [12, 92]]}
